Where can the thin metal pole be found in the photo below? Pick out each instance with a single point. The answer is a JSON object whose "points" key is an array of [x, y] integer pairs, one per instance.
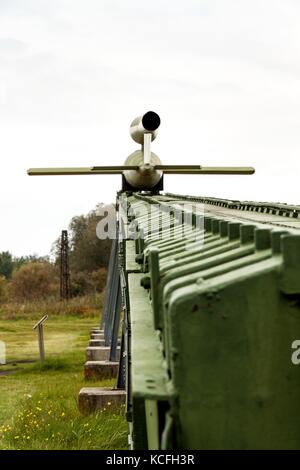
{"points": [[121, 379], [112, 300], [108, 284], [115, 325], [64, 267], [41, 342]]}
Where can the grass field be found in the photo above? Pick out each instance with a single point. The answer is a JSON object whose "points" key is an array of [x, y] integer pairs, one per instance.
{"points": [[38, 405]]}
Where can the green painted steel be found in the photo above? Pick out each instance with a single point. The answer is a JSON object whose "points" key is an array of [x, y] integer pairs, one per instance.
{"points": [[213, 310]]}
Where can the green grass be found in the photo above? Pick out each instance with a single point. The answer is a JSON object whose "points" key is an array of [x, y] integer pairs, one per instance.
{"points": [[38, 403], [78, 307]]}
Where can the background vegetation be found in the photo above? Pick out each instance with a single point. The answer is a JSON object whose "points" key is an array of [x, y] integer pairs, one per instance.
{"points": [[28, 282]]}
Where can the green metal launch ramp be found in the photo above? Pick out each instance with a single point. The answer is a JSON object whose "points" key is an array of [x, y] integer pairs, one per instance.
{"points": [[211, 319]]}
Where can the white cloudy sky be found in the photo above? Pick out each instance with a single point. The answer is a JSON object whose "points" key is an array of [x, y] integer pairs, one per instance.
{"points": [[223, 75]]}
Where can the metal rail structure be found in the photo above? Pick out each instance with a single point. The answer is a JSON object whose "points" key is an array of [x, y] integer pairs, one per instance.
{"points": [[208, 294], [64, 266], [210, 317]]}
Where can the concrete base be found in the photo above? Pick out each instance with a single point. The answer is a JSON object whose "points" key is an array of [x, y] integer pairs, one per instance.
{"points": [[97, 336], [93, 399], [97, 342], [99, 353], [99, 370]]}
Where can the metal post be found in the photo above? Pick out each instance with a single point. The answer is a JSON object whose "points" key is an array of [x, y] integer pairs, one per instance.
{"points": [[112, 300], [122, 370], [41, 342], [39, 327], [111, 266], [115, 325], [121, 379], [64, 267]]}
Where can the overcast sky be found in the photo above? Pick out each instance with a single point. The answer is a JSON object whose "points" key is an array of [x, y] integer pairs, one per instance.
{"points": [[223, 75]]}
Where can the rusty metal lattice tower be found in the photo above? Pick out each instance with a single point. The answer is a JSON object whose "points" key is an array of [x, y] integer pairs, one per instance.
{"points": [[64, 267]]}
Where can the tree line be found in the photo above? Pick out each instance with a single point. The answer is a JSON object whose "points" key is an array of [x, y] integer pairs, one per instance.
{"points": [[29, 278]]}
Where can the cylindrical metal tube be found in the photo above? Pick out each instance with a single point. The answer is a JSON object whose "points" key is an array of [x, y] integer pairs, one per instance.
{"points": [[146, 124]]}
